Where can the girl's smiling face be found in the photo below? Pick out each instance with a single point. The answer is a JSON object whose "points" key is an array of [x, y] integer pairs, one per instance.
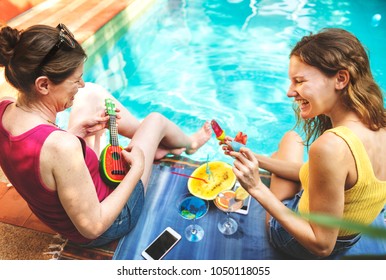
{"points": [[313, 91]]}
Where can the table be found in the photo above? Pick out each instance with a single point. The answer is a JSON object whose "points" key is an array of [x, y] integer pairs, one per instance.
{"points": [[250, 242], [160, 211]]}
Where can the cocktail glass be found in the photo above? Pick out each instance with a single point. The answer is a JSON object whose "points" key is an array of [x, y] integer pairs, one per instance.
{"points": [[225, 201], [192, 208]]}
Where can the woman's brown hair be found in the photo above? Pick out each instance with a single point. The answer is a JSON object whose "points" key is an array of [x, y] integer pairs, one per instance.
{"points": [[22, 52], [331, 50]]}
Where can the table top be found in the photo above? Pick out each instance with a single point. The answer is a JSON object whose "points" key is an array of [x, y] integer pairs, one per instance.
{"points": [[250, 242], [160, 211]]}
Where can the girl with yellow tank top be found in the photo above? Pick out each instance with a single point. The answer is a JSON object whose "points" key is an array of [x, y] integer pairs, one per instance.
{"points": [[340, 108]]}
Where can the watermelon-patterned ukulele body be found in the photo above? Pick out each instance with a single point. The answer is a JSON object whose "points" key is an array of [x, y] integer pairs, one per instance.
{"points": [[113, 167]]}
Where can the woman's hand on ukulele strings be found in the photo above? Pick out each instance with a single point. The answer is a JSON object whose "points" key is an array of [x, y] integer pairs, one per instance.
{"points": [[135, 157]]}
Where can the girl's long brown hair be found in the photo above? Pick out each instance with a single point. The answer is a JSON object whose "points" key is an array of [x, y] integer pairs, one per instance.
{"points": [[331, 50]]}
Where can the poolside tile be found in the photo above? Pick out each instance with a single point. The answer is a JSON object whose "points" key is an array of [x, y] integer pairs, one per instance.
{"points": [[83, 17], [13, 209], [33, 222], [3, 189]]}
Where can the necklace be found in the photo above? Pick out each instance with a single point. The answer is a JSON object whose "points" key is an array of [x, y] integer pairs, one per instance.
{"points": [[51, 122], [37, 114]]}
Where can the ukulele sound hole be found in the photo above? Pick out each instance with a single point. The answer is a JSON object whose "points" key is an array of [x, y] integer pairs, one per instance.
{"points": [[115, 155]]}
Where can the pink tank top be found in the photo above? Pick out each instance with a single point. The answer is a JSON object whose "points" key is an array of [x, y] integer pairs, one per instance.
{"points": [[19, 159]]}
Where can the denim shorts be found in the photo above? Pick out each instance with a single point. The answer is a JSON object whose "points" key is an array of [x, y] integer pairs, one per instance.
{"points": [[285, 242], [126, 220]]}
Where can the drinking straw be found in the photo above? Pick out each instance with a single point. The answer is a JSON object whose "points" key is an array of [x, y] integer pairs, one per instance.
{"points": [[184, 175]]}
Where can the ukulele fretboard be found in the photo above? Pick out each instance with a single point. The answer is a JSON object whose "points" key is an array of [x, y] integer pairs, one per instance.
{"points": [[113, 131]]}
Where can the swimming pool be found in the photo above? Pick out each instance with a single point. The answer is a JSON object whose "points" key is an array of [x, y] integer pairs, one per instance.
{"points": [[226, 60]]}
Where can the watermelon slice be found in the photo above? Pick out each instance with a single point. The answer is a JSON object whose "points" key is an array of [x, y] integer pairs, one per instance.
{"points": [[241, 138]]}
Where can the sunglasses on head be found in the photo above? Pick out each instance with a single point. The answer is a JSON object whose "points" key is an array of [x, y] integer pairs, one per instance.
{"points": [[66, 38]]}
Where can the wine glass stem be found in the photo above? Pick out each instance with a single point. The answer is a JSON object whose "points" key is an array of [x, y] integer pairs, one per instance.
{"points": [[194, 230], [227, 223]]}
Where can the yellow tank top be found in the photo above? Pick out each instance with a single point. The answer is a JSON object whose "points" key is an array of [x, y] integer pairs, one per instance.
{"points": [[364, 201]]}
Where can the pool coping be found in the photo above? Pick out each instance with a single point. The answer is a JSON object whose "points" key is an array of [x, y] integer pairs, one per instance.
{"points": [[104, 21]]}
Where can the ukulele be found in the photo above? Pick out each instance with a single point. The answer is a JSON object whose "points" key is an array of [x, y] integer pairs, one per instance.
{"points": [[113, 167]]}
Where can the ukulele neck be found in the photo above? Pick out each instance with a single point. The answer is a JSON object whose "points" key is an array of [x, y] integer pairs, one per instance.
{"points": [[113, 131]]}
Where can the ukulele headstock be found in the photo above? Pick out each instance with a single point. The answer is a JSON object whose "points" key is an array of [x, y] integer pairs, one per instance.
{"points": [[110, 107]]}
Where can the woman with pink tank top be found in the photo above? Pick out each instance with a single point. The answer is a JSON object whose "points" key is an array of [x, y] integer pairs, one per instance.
{"points": [[57, 171]]}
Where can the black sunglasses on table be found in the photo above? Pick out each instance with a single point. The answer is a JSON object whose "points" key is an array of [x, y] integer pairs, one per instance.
{"points": [[66, 38]]}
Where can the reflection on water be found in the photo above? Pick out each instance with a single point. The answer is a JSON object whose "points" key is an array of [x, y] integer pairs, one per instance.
{"points": [[227, 60]]}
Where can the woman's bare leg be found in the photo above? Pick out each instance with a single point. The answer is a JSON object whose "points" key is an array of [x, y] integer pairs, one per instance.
{"points": [[90, 101], [290, 149], [156, 129], [155, 135]]}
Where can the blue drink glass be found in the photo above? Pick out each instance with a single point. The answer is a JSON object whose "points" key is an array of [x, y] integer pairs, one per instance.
{"points": [[192, 208]]}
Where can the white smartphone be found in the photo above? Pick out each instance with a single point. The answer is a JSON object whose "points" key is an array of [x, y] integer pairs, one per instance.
{"points": [[245, 208], [161, 245]]}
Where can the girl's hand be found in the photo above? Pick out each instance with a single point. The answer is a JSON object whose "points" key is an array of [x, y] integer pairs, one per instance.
{"points": [[226, 145], [246, 169]]}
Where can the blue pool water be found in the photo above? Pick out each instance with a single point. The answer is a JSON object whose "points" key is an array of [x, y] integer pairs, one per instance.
{"points": [[227, 60]]}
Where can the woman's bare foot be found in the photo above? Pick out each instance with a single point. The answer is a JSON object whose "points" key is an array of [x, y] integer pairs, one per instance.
{"points": [[199, 138]]}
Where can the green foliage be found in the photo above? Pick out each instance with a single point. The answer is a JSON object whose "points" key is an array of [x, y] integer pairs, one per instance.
{"points": [[329, 221]]}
